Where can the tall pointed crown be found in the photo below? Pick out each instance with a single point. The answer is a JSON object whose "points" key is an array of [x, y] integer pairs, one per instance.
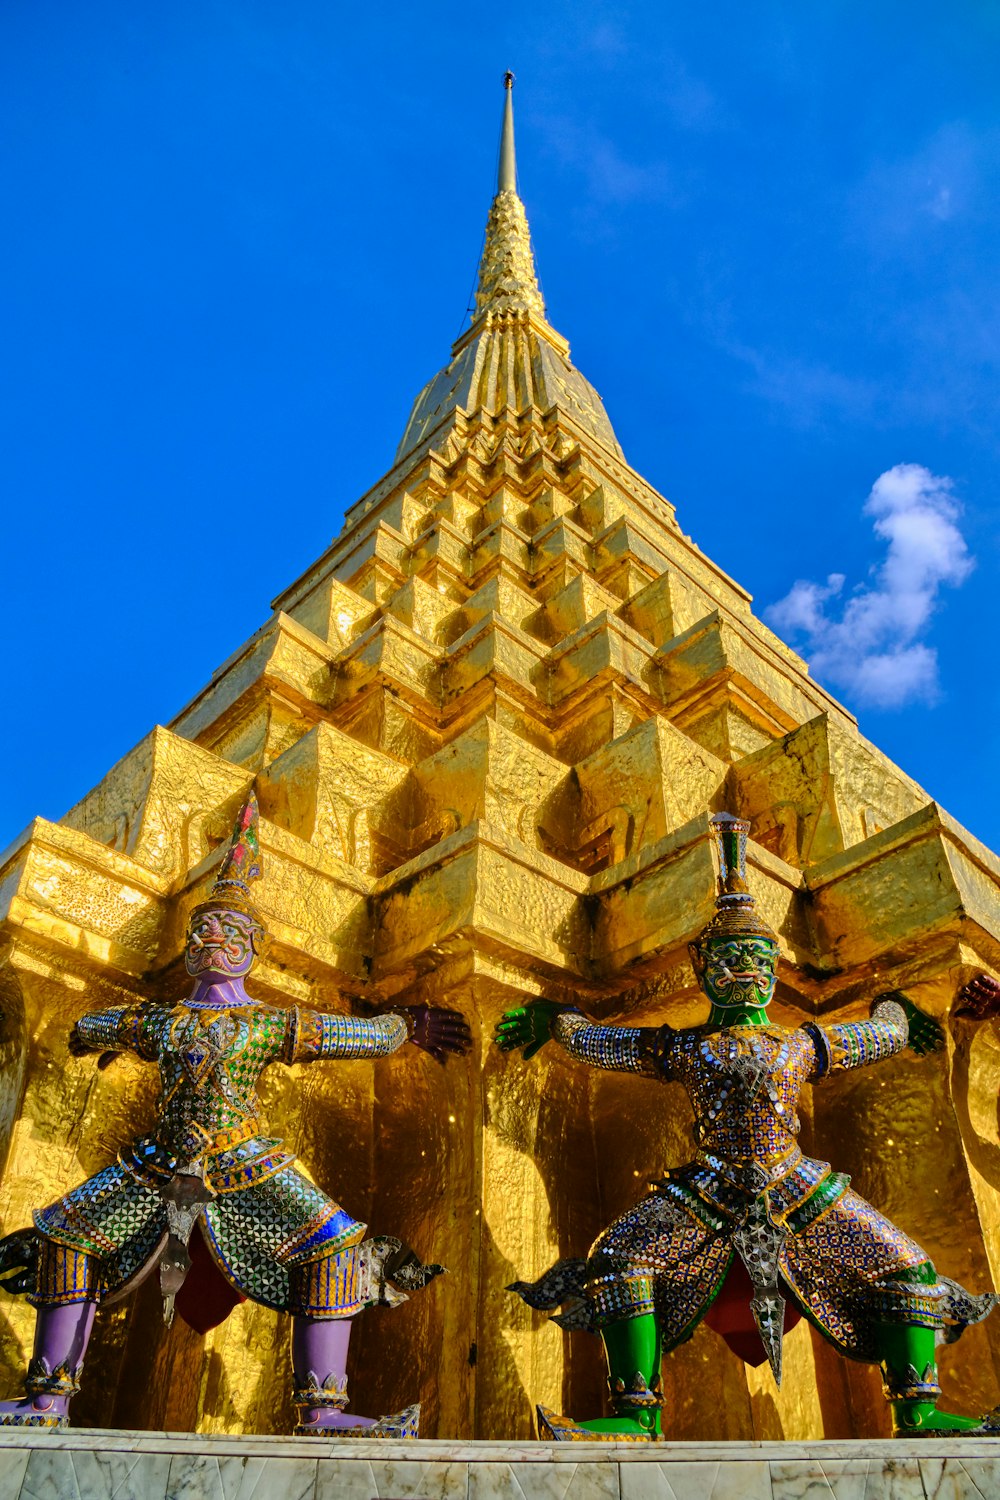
{"points": [[241, 865], [736, 913]]}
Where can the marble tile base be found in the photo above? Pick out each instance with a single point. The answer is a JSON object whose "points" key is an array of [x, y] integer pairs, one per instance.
{"points": [[98, 1465]]}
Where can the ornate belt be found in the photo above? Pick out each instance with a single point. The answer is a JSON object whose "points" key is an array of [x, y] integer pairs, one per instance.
{"points": [[236, 1136], [197, 1142], [752, 1176]]}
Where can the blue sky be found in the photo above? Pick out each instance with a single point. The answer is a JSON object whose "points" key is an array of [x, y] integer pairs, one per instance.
{"points": [[239, 237]]}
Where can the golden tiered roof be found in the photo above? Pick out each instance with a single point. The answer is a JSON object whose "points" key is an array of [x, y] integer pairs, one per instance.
{"points": [[486, 729]]}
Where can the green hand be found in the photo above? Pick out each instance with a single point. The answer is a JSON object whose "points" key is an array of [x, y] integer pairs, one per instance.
{"points": [[926, 1035], [529, 1027]]}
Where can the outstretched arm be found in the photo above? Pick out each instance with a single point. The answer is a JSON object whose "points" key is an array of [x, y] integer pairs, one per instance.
{"points": [[315, 1034], [119, 1029], [621, 1049], [896, 1023]]}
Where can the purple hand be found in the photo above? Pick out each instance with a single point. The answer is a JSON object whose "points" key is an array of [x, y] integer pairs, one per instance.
{"points": [[437, 1030], [980, 998]]}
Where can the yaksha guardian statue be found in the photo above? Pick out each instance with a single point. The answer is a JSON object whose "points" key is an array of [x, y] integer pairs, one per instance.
{"points": [[216, 1204], [751, 1228]]}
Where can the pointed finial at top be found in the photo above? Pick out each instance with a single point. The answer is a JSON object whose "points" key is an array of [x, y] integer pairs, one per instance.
{"points": [[507, 280], [507, 175]]}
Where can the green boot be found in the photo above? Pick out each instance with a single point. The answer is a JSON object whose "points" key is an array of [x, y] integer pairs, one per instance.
{"points": [[633, 1350], [909, 1380]]}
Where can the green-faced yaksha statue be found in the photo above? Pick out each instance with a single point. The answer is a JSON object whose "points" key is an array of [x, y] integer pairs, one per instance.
{"points": [[751, 1233]]}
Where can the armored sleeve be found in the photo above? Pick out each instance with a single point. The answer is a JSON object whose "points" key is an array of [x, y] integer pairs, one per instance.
{"points": [[313, 1034], [123, 1028], [620, 1049], [854, 1044]]}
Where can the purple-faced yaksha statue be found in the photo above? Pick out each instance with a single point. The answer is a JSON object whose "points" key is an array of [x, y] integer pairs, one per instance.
{"points": [[218, 1206]]}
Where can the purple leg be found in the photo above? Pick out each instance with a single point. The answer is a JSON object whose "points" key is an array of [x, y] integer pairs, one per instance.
{"points": [[61, 1337], [319, 1364]]}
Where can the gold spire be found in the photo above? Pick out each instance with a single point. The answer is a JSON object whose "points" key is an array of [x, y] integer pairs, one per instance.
{"points": [[510, 358], [507, 277]]}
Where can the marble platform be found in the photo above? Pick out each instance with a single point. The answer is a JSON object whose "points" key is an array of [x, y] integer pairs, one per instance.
{"points": [[97, 1465]]}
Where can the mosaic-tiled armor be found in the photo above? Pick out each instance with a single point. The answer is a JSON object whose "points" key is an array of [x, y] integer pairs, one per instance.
{"points": [[206, 1194], [750, 1224], [275, 1236]]}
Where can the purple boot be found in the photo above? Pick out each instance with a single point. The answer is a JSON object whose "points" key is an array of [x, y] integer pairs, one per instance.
{"points": [[61, 1337], [319, 1358]]}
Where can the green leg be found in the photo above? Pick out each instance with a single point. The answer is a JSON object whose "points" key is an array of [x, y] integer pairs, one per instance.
{"points": [[911, 1387], [633, 1350]]}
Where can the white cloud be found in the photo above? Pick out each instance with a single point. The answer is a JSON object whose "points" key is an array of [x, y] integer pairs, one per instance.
{"points": [[870, 643]]}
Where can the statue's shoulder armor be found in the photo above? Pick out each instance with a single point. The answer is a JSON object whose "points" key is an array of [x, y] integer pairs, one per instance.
{"points": [[791, 1041], [686, 1037], [271, 1025], [677, 1042], [151, 1025], [267, 1017]]}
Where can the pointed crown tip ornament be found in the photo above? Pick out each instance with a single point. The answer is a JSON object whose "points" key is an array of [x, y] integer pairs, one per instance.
{"points": [[241, 864], [735, 910]]}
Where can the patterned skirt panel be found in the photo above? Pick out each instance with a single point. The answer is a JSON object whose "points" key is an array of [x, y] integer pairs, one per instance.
{"points": [[259, 1235], [809, 1182], [112, 1217], [848, 1269], [851, 1269], [657, 1257]]}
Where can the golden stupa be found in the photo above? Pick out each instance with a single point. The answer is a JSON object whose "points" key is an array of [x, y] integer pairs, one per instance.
{"points": [[486, 729]]}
